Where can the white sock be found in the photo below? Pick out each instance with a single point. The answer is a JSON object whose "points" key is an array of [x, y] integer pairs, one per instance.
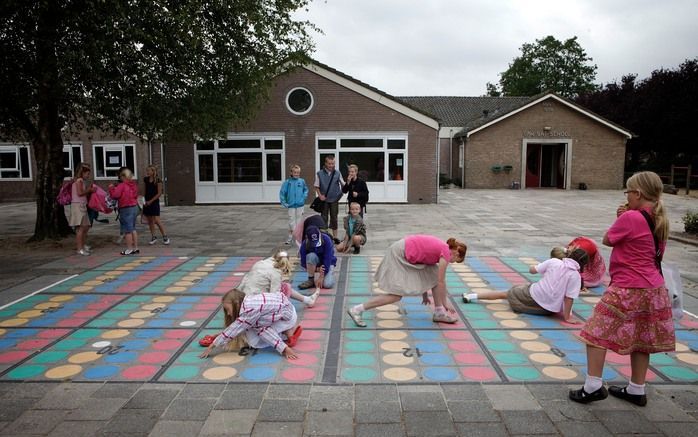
{"points": [[472, 297], [358, 308], [635, 389], [307, 300], [592, 383]]}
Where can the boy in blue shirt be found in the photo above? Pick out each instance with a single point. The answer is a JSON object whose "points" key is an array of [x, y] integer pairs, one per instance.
{"points": [[292, 195]]}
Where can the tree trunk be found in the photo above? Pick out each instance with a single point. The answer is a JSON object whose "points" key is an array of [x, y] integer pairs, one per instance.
{"points": [[48, 144]]}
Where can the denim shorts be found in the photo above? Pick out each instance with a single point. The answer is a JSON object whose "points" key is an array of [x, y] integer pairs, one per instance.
{"points": [[127, 218]]}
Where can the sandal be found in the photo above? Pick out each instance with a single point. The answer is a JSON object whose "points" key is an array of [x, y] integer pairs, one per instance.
{"points": [[127, 252], [584, 398], [293, 339]]}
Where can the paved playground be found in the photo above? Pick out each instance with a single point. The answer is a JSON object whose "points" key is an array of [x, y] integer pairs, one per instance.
{"points": [[109, 344]]}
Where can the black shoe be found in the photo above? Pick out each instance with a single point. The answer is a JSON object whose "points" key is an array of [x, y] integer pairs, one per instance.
{"points": [[306, 284], [336, 240], [357, 250], [584, 398], [622, 393]]}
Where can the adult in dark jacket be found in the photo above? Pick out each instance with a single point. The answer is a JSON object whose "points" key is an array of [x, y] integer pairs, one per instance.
{"points": [[356, 189]]}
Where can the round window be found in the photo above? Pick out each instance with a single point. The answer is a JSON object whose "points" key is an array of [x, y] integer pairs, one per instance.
{"points": [[299, 101]]}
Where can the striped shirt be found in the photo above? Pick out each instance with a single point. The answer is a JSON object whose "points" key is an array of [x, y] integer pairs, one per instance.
{"points": [[258, 312]]}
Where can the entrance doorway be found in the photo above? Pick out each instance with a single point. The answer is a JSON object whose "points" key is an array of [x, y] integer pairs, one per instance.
{"points": [[546, 165]]}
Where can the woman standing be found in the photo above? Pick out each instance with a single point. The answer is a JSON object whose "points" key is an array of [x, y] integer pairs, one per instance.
{"points": [[634, 315], [413, 266]]}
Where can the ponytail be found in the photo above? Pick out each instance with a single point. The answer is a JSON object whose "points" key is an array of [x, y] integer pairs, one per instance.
{"points": [[454, 244], [661, 221]]}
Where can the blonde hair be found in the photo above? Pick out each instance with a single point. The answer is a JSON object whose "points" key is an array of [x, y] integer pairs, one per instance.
{"points": [[294, 167], [558, 252], [126, 173], [355, 167], [82, 167], [458, 245], [235, 298], [155, 177], [282, 263], [650, 187]]}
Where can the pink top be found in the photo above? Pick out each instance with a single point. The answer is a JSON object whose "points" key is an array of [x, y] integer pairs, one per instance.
{"points": [[560, 279], [258, 312], [75, 198], [632, 258], [425, 249], [126, 193]]}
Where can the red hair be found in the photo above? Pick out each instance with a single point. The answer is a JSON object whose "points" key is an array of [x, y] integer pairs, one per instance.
{"points": [[454, 244]]}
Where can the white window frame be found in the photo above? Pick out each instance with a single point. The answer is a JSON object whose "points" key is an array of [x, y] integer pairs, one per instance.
{"points": [[112, 147], [68, 148], [312, 101], [262, 138], [15, 148]]}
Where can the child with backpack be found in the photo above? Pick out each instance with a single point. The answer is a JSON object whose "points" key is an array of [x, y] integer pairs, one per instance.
{"points": [[81, 189], [292, 195]]}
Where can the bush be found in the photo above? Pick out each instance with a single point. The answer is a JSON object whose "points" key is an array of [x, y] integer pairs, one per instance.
{"points": [[690, 222]]}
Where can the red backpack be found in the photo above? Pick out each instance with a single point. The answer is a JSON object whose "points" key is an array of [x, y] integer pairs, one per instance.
{"points": [[65, 195]]}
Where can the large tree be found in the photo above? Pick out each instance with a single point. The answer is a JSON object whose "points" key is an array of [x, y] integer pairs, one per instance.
{"points": [[547, 65], [152, 66]]}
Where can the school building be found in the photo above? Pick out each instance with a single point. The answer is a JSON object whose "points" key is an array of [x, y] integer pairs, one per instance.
{"points": [[400, 144]]}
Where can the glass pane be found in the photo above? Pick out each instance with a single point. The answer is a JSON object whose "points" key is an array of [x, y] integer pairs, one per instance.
{"points": [[396, 144], [9, 174], [24, 162], [8, 160], [371, 165], [273, 167], [77, 158], [131, 159], [239, 167], [396, 166], [273, 144], [206, 168], [300, 100], [204, 145], [66, 161], [326, 144], [361, 142], [239, 144], [99, 162]]}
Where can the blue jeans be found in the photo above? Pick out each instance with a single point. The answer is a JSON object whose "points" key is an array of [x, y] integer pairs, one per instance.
{"points": [[127, 218], [312, 259]]}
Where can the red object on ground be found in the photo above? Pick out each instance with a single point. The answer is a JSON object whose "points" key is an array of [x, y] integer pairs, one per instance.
{"points": [[293, 339], [207, 340]]}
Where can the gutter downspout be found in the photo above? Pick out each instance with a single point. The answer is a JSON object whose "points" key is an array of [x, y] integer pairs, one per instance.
{"points": [[438, 162], [450, 154], [162, 171], [462, 177]]}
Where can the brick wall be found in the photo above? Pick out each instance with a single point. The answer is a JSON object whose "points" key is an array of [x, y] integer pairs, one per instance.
{"points": [[598, 152]]}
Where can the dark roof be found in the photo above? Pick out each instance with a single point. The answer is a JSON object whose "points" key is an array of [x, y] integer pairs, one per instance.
{"points": [[467, 112]]}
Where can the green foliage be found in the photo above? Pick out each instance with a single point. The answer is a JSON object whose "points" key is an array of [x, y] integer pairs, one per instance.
{"points": [[155, 67], [548, 65], [690, 222]]}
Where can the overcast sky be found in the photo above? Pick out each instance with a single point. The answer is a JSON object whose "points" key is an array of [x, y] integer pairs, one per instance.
{"points": [[454, 47]]}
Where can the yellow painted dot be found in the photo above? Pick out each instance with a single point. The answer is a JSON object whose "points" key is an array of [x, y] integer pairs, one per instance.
{"points": [[46, 305], [184, 283], [219, 373], [535, 346], [13, 322], [164, 299], [505, 315], [393, 335], [115, 333], [153, 306], [680, 347], [190, 278], [397, 360], [394, 346], [544, 358], [65, 371], [61, 298], [498, 307], [175, 289], [132, 264], [388, 315], [559, 372], [591, 299], [114, 273], [204, 269], [131, 323], [390, 324], [2, 332], [473, 284], [199, 274], [524, 335], [689, 358], [513, 323], [142, 314], [389, 307], [84, 357], [227, 358], [30, 314], [93, 283], [399, 374], [105, 278], [480, 290], [82, 288], [124, 268]]}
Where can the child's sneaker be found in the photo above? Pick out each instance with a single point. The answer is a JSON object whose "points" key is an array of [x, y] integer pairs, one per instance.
{"points": [[289, 241], [356, 317], [313, 298], [469, 297], [153, 240], [444, 318], [165, 240], [87, 248], [83, 252]]}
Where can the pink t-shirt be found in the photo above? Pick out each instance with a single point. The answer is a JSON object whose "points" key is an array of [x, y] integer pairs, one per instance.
{"points": [[632, 258], [425, 249], [560, 279]]}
